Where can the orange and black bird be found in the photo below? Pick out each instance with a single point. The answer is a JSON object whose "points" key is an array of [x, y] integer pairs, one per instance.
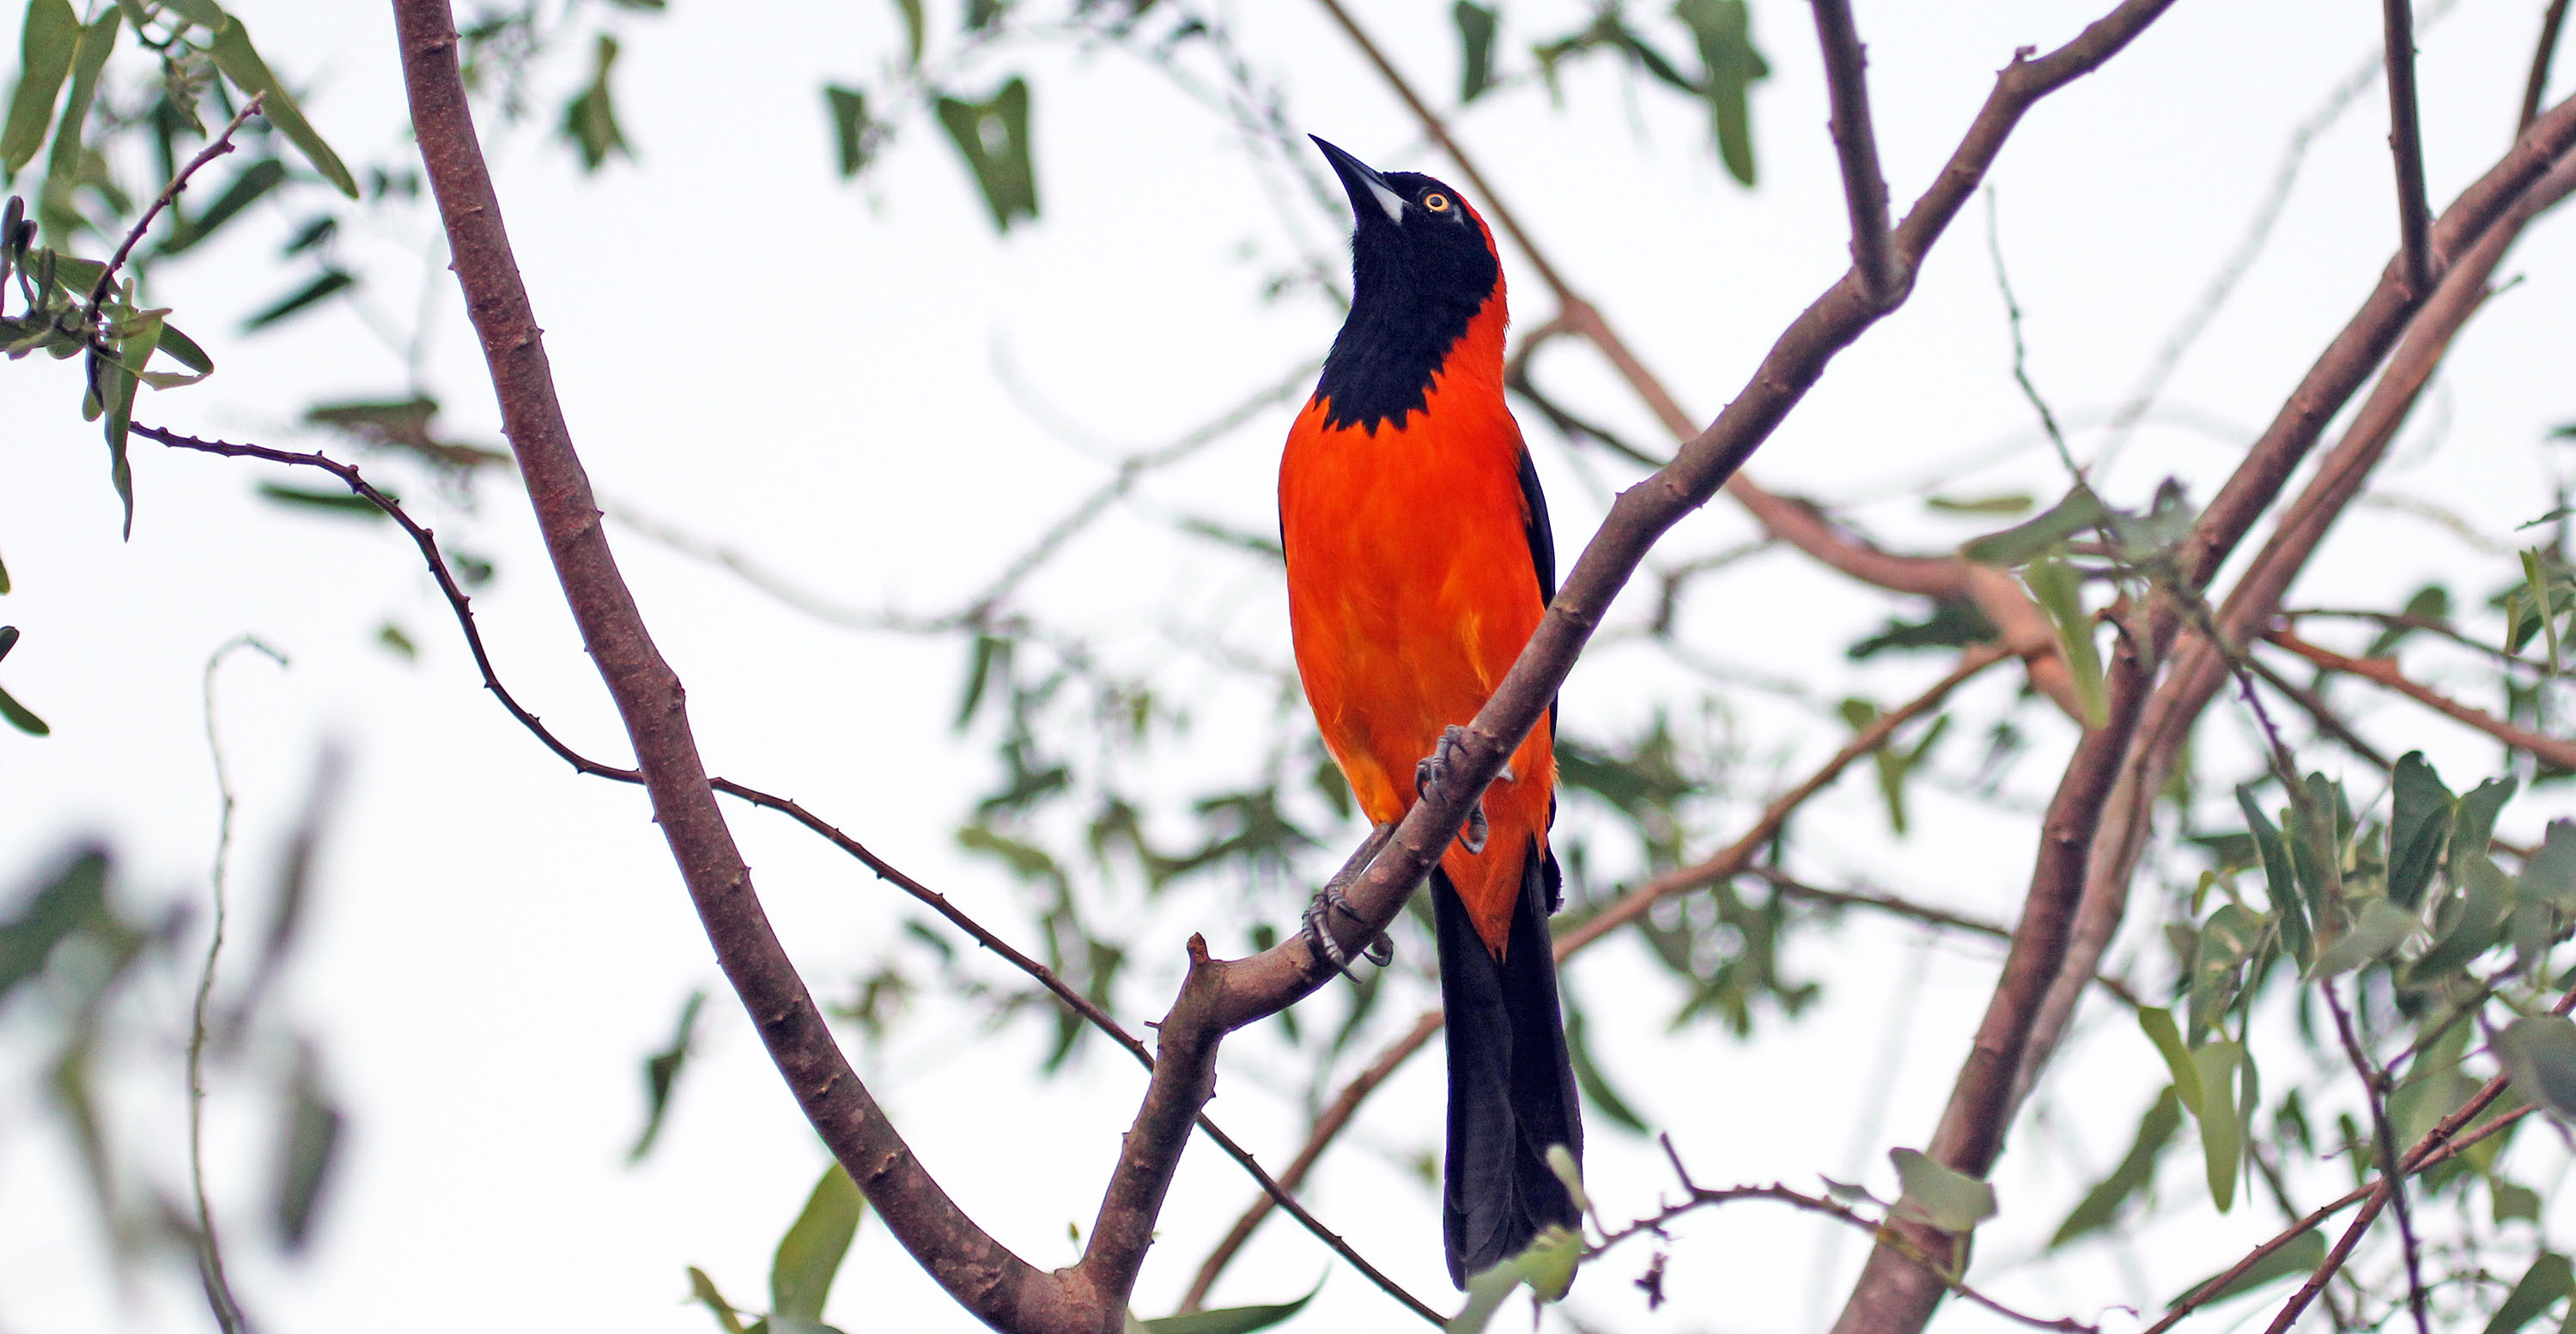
{"points": [[1419, 562]]}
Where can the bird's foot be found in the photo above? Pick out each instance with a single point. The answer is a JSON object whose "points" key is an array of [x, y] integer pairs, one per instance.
{"points": [[1331, 900], [1433, 769]]}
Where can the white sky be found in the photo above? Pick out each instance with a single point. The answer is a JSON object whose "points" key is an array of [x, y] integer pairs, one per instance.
{"points": [[808, 371]]}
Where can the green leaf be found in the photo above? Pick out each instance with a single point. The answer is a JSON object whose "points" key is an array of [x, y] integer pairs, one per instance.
{"points": [[309, 1146], [2473, 822], [2486, 900], [240, 193], [662, 1068], [2549, 876], [2299, 1255], [2380, 929], [327, 502], [912, 30], [1476, 27], [2536, 577], [800, 1277], [1729, 67], [241, 63], [332, 280], [1947, 1199], [1547, 1266], [590, 119], [185, 351], [1588, 1077], [2431, 604], [2279, 880], [2509, 1202], [2540, 1053], [993, 137], [2159, 1027], [2222, 1143], [2549, 1279], [97, 42], [704, 1289], [21, 717], [856, 133], [2418, 821], [45, 47], [2059, 591], [990, 651], [74, 899], [2018, 502], [2080, 510], [4, 587], [1231, 1320], [2101, 1205]]}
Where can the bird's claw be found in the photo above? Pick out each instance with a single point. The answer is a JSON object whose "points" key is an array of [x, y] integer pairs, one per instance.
{"points": [[1329, 900], [1433, 769]]}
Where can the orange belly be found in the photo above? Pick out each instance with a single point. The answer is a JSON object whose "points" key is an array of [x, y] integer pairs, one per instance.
{"points": [[1411, 590]]}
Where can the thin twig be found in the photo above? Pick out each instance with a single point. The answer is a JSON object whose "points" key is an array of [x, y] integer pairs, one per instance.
{"points": [[1894, 906], [2021, 353], [2374, 1084], [2542, 52], [2315, 706], [210, 1251], [1070, 997], [2384, 672], [1856, 144], [2406, 144], [2400, 621], [222, 144]]}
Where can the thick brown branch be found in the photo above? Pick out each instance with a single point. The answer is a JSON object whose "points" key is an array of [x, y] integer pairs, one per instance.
{"points": [[2384, 672], [2542, 52], [2406, 145], [1856, 143], [982, 1275]]}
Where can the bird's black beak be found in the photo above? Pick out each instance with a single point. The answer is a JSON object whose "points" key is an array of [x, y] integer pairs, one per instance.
{"points": [[1368, 190]]}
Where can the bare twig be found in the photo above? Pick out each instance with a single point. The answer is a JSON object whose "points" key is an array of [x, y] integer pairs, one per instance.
{"points": [[1856, 144], [2384, 672], [2374, 1083], [2020, 351], [1895, 906], [2400, 621], [2406, 143], [220, 145], [2542, 52], [2315, 706]]}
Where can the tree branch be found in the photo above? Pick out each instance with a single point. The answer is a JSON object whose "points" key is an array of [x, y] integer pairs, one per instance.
{"points": [[2542, 52], [2374, 1086], [2384, 672], [2406, 144], [1856, 144], [221, 144], [977, 1271]]}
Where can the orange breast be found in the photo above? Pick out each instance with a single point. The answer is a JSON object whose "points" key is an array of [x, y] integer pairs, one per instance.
{"points": [[1411, 590]]}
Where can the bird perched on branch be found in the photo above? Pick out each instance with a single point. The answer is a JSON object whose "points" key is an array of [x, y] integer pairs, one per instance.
{"points": [[1419, 562]]}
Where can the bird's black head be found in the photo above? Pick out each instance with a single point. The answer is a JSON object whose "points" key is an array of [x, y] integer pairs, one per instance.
{"points": [[1422, 266]]}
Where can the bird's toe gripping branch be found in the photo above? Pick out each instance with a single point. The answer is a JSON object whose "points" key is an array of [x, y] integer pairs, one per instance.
{"points": [[1331, 900], [1433, 769]]}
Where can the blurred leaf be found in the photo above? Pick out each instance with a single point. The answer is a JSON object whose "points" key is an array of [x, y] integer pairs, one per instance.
{"points": [[704, 1289], [2380, 929], [309, 1143], [2473, 820], [244, 190], [2510, 1202], [2280, 881], [662, 1073], [989, 652], [2101, 1205], [241, 63], [800, 1277], [590, 119], [332, 280], [46, 42], [89, 60], [2549, 1279], [2159, 1027], [2222, 1142], [2536, 576], [1729, 68], [2540, 1053], [1476, 26], [2419, 819], [314, 235], [2548, 876], [1947, 1199], [396, 642], [1954, 623], [2301, 1254], [851, 126], [912, 34], [21, 717], [2014, 503], [76, 898], [1231, 1320], [2223, 945], [2060, 592], [1547, 1266], [327, 502], [4, 587], [2431, 603], [1588, 1077], [2486, 899], [993, 137], [2080, 510]]}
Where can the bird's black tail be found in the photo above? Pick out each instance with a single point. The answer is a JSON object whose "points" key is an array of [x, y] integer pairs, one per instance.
{"points": [[1511, 1083]]}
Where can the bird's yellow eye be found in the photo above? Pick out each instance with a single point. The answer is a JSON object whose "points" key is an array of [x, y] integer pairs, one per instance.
{"points": [[1436, 202]]}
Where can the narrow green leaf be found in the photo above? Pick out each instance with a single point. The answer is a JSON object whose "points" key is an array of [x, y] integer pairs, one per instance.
{"points": [[1946, 1198], [2160, 1030], [2059, 591], [2380, 929], [21, 717], [993, 137], [2536, 579], [97, 42], [45, 47], [1476, 27], [2418, 821], [331, 281], [309, 1146], [912, 30], [2018, 502], [800, 1276], [2079, 510], [2540, 1053], [2101, 1205], [4, 587], [2473, 820], [1729, 68], [2549, 1279], [116, 386], [662, 1068], [1231, 1320], [704, 1289], [241, 63], [327, 502], [2299, 1255], [852, 128], [990, 651], [2221, 1131], [590, 119], [185, 351], [2279, 880], [240, 193]]}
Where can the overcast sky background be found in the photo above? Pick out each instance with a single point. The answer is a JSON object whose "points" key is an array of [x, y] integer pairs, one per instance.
{"points": [[815, 373]]}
